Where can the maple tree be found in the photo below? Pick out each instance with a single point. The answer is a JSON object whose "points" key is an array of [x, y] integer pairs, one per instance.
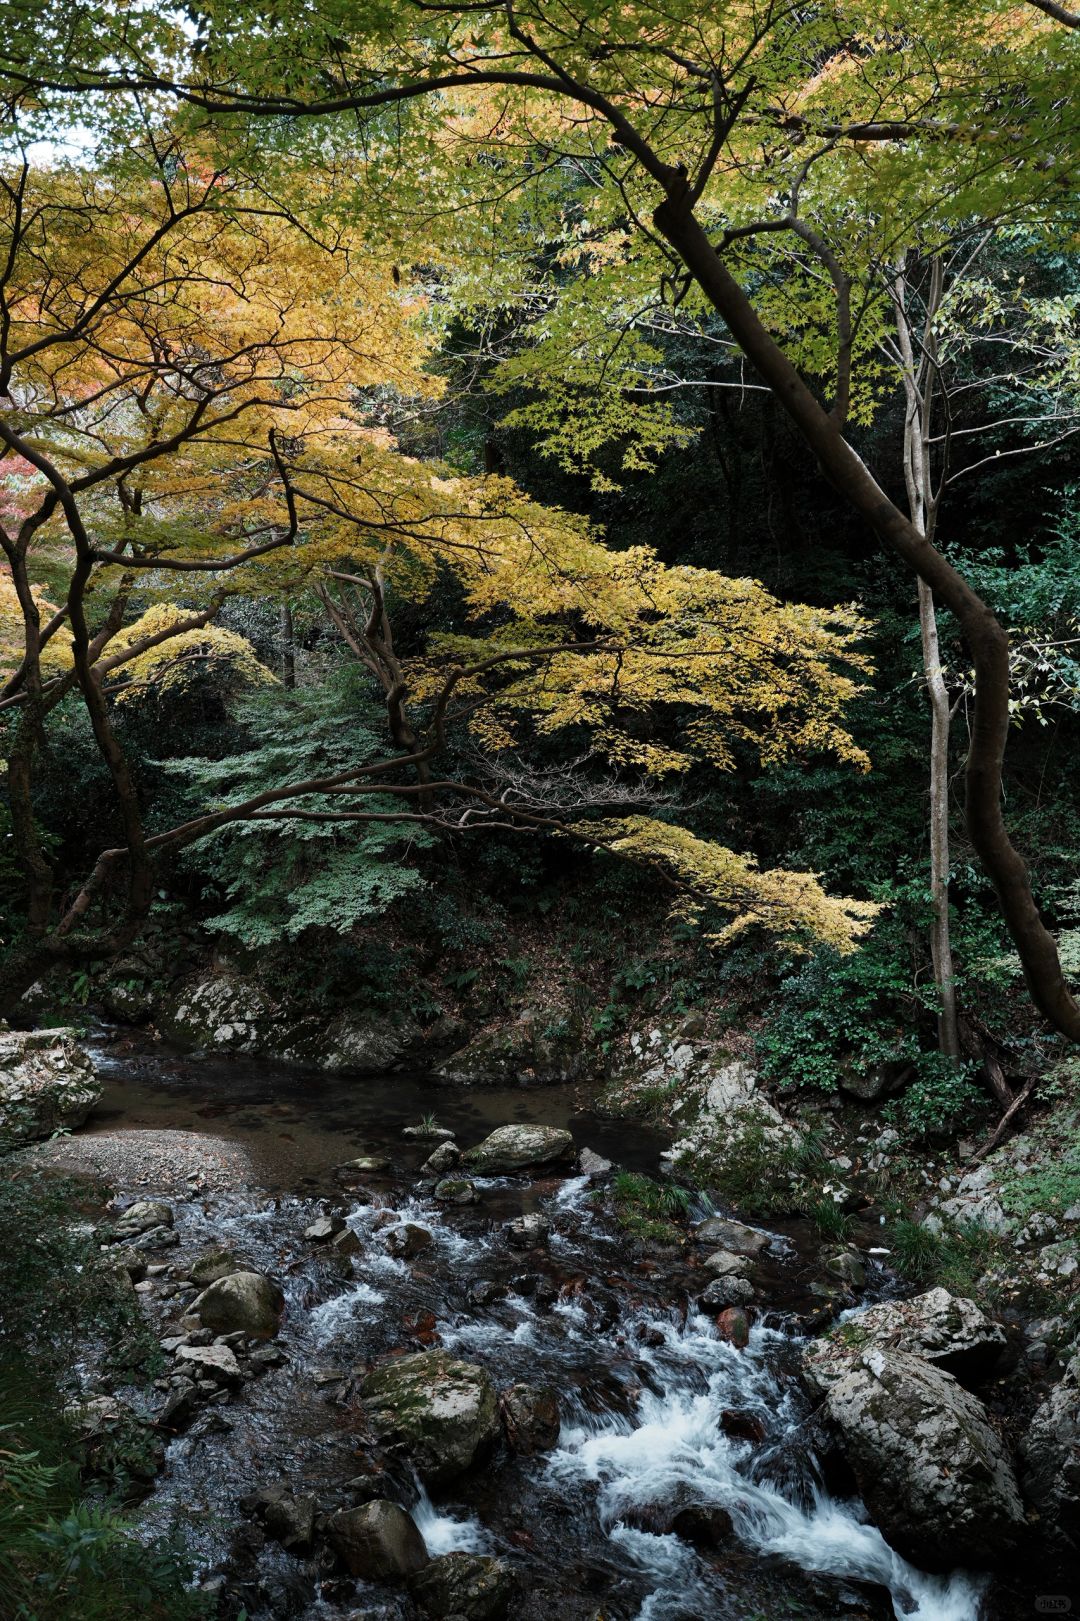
{"points": [[193, 415]]}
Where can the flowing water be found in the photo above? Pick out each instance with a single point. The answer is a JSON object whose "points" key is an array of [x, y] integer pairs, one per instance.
{"points": [[647, 1386]]}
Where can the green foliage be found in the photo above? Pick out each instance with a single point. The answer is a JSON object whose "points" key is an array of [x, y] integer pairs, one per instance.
{"points": [[648, 1209], [943, 1098], [830, 1219], [283, 875], [954, 1257]]}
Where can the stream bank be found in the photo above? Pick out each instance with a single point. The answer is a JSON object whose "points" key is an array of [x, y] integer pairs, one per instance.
{"points": [[689, 1478]]}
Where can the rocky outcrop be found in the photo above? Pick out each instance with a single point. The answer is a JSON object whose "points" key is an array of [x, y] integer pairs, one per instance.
{"points": [[954, 1334], [733, 1236], [1050, 1454], [930, 1468], [533, 1047], [244, 1302], [231, 1012], [470, 1585], [377, 1541], [442, 1413], [518, 1148], [47, 1083]]}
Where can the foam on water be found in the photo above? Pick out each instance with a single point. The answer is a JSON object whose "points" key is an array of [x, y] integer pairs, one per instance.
{"points": [[672, 1450], [443, 1533], [328, 1320]]}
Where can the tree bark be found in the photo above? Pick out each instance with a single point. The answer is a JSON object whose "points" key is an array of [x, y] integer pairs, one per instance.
{"points": [[940, 725], [986, 637]]}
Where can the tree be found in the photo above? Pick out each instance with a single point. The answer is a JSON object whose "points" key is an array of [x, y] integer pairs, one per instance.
{"points": [[193, 401]]}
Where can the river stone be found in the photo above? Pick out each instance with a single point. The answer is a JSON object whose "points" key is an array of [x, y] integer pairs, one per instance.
{"points": [[445, 1157], [726, 1291], [377, 1541], [734, 1236], [518, 1148], [471, 1585], [367, 1162], [441, 1412], [345, 1243], [953, 1333], [323, 1228], [215, 1362], [291, 1522], [726, 1265], [47, 1083], [733, 1325], [245, 1301], [931, 1470], [528, 1232], [530, 1415], [142, 1217], [593, 1165], [428, 1134], [1050, 1454], [408, 1240], [456, 1190], [213, 1265]]}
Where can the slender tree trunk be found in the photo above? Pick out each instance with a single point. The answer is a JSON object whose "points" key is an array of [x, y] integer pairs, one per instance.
{"points": [[986, 637], [940, 725], [288, 647]]}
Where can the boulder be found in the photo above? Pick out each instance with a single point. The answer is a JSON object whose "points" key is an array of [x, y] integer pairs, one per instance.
{"points": [[518, 1148], [733, 1236], [953, 1333], [324, 1228], [594, 1166], [528, 1232], [930, 1468], [456, 1190], [345, 1244], [246, 1301], [442, 1413], [528, 1048], [291, 1522], [47, 1083], [408, 1240], [846, 1265], [225, 1012], [364, 1042], [377, 1541], [214, 1264], [470, 1585], [733, 1326], [726, 1291], [444, 1158], [142, 1217], [216, 1362], [723, 1264], [1050, 1456], [530, 1415]]}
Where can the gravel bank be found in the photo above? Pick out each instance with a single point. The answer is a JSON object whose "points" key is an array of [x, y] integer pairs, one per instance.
{"points": [[161, 1161]]}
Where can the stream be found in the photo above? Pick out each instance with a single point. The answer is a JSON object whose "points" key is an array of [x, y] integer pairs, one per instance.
{"points": [[647, 1385]]}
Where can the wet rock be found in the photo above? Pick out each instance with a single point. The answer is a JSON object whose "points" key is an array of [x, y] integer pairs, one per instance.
{"points": [[266, 1356], [727, 1291], [142, 1217], [445, 1157], [470, 1585], [517, 1148], [408, 1240], [345, 1244], [485, 1291], [244, 1300], [134, 1264], [703, 1525], [951, 1332], [216, 1362], [213, 1265], [323, 1229], [377, 1541], [47, 1083], [530, 1415], [726, 1265], [456, 1190], [733, 1325], [742, 1426], [366, 1162], [733, 1236], [528, 1232], [593, 1165], [846, 1265], [441, 1412], [428, 1133], [931, 1470], [181, 1405], [159, 1238], [290, 1521], [1050, 1455]]}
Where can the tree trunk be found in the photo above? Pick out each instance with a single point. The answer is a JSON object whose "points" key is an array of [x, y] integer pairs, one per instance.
{"points": [[985, 636], [288, 647], [940, 720]]}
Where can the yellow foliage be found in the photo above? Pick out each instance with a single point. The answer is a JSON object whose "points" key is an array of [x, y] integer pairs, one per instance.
{"points": [[56, 654], [170, 664], [789, 905]]}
